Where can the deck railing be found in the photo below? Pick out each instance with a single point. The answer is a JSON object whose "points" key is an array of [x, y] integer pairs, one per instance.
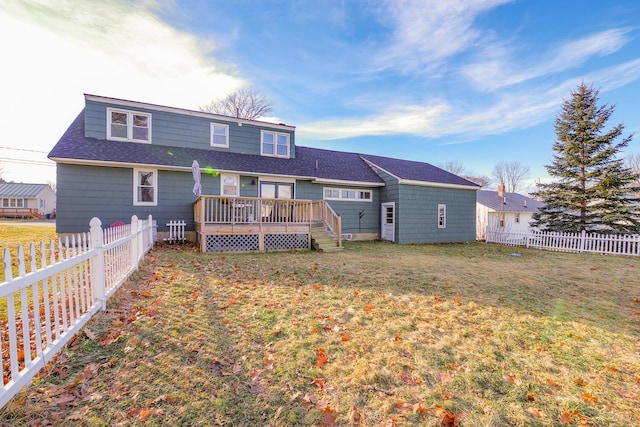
{"points": [[20, 213], [321, 211], [250, 210], [220, 210]]}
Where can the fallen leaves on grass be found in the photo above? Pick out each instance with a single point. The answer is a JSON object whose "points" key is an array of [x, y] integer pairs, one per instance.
{"points": [[589, 398], [580, 382], [329, 417], [535, 412], [355, 417], [566, 417], [449, 419], [322, 357]]}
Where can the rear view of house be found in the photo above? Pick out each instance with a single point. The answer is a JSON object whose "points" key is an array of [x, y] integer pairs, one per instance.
{"points": [[19, 200], [260, 190]]}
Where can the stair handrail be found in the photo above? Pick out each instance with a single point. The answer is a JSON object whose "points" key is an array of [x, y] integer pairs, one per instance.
{"points": [[322, 211]]}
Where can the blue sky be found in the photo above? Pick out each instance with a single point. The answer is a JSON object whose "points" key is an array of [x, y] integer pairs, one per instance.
{"points": [[476, 82]]}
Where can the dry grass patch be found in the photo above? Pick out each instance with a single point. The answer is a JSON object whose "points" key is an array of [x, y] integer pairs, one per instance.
{"points": [[380, 334], [14, 234]]}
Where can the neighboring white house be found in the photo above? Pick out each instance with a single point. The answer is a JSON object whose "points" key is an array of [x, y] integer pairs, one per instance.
{"points": [[19, 200], [502, 211]]}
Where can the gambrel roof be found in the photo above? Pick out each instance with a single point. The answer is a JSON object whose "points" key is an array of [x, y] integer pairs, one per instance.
{"points": [[309, 163]]}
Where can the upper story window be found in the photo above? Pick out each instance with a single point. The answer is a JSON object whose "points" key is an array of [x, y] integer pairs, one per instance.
{"points": [[128, 125], [347, 194], [219, 135], [145, 187], [274, 144]]}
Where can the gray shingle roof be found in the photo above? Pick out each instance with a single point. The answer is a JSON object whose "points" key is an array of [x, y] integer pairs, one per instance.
{"points": [[511, 202], [417, 171], [20, 190], [309, 162]]}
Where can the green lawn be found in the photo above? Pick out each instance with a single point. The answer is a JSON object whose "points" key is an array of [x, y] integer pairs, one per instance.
{"points": [[379, 334]]}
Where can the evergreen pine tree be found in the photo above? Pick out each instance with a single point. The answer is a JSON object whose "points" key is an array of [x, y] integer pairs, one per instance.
{"points": [[592, 189]]}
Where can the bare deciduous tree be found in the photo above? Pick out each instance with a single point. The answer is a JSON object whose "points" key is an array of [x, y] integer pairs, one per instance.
{"points": [[245, 104], [510, 174], [452, 166], [457, 168], [481, 180], [633, 161]]}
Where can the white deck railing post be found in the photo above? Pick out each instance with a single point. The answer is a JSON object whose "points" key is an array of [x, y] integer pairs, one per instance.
{"points": [[97, 262]]}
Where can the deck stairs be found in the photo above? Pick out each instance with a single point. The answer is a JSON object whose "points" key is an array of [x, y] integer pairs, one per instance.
{"points": [[323, 239]]}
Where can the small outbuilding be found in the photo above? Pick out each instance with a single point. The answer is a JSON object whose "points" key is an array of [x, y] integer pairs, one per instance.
{"points": [[18, 200]]}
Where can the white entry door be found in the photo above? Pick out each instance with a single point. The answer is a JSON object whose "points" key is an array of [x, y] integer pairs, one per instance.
{"points": [[388, 217]]}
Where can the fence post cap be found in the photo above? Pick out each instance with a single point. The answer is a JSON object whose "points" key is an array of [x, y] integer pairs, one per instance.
{"points": [[95, 222]]}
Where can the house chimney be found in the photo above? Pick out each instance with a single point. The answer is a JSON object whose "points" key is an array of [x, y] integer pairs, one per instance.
{"points": [[525, 203], [500, 190]]}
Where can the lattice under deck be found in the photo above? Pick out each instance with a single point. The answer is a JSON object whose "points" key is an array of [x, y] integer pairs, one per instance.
{"points": [[274, 242]]}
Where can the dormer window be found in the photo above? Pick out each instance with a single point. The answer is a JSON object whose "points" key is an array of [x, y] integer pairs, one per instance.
{"points": [[219, 135], [125, 125], [274, 144]]}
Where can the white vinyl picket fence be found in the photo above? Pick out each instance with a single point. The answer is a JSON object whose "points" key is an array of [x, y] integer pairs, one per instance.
{"points": [[66, 284], [615, 244]]}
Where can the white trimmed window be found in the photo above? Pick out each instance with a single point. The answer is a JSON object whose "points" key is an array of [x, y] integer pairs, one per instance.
{"points": [[123, 125], [347, 194], [13, 203], [274, 144], [442, 216], [517, 218], [229, 185], [219, 135], [145, 187]]}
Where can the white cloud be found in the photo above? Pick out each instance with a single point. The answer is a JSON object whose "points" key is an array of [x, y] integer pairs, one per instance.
{"points": [[501, 70], [56, 51], [400, 119], [426, 32], [511, 111]]}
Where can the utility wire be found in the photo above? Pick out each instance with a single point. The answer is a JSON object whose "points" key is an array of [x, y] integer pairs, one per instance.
{"points": [[24, 149], [27, 161]]}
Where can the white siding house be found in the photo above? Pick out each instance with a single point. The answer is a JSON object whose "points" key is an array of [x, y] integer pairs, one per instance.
{"points": [[502, 211], [26, 200]]}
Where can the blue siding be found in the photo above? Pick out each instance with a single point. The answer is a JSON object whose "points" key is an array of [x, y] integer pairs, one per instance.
{"points": [[85, 192], [417, 212], [181, 130], [348, 211], [417, 215], [390, 193]]}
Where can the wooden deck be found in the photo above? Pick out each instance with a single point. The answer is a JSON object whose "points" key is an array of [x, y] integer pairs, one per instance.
{"points": [[20, 213], [244, 224]]}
